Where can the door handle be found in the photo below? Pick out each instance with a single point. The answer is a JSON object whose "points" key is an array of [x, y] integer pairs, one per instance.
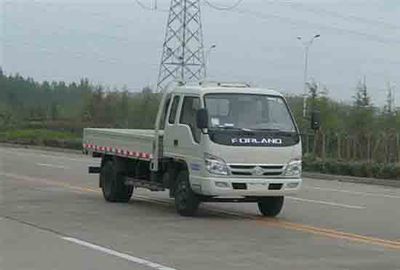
{"points": [[176, 142]]}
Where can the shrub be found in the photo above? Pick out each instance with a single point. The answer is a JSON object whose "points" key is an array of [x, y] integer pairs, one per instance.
{"points": [[61, 139], [358, 169]]}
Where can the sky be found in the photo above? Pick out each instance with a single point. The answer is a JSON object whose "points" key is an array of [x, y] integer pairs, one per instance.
{"points": [[117, 43]]}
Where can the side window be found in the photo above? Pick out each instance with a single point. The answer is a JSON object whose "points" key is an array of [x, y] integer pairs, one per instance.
{"points": [[188, 115], [164, 116], [174, 109]]}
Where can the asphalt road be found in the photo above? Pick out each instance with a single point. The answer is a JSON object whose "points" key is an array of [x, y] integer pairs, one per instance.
{"points": [[53, 216]]}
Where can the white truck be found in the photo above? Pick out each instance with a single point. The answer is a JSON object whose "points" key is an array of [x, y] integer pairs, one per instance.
{"points": [[212, 142]]}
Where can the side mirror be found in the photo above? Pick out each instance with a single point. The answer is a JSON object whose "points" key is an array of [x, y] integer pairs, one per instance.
{"points": [[202, 119], [315, 120]]}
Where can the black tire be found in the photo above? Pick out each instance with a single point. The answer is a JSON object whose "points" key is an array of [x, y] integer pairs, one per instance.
{"points": [[186, 201], [270, 206], [114, 190]]}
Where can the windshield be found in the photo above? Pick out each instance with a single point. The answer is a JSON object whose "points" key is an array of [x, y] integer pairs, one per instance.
{"points": [[248, 112]]}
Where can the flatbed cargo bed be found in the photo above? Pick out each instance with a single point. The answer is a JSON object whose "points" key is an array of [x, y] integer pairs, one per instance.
{"points": [[132, 143]]}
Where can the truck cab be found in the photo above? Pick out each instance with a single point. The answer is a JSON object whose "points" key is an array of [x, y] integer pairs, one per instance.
{"points": [[238, 143]]}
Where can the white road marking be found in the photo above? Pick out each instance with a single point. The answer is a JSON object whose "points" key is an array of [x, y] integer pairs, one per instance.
{"points": [[51, 165], [356, 192], [66, 158], [170, 202], [244, 215], [326, 203], [23, 153], [118, 254]]}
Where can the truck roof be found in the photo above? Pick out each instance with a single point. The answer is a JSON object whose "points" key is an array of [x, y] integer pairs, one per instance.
{"points": [[206, 87]]}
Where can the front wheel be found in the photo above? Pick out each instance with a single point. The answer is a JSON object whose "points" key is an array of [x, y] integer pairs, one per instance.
{"points": [[270, 206], [186, 201]]}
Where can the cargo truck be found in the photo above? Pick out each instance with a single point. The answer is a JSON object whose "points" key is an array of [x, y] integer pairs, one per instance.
{"points": [[212, 142]]}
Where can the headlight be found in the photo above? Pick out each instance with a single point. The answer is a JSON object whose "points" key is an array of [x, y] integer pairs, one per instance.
{"points": [[293, 168], [215, 165]]}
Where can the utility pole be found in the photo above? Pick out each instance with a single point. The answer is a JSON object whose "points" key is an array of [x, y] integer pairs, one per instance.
{"points": [[390, 99], [183, 52], [207, 58], [307, 46]]}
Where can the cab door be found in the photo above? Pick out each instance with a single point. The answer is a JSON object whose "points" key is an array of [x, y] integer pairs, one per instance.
{"points": [[182, 137], [170, 126]]}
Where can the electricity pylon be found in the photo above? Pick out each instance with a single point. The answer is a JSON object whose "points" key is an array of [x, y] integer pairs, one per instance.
{"points": [[183, 51]]}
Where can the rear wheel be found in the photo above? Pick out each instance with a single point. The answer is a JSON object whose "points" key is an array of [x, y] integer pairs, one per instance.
{"points": [[112, 184], [186, 201], [270, 206]]}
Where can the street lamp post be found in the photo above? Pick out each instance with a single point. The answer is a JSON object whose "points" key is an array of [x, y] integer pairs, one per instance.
{"points": [[307, 46], [207, 58]]}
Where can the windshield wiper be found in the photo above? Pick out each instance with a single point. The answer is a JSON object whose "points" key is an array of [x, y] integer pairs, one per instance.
{"points": [[276, 131], [267, 129], [228, 127], [250, 131]]}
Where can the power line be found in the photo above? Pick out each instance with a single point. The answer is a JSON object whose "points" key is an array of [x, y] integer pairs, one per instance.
{"points": [[154, 8], [296, 22], [319, 11], [265, 16], [293, 21], [235, 5], [144, 6]]}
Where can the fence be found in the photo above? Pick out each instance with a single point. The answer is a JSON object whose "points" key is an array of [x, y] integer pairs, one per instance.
{"points": [[379, 147]]}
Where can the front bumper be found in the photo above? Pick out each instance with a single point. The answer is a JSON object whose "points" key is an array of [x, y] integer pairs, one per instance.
{"points": [[245, 187]]}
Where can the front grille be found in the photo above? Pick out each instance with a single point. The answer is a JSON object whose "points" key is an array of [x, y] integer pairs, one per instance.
{"points": [[256, 170], [241, 173], [272, 173], [272, 167], [242, 167]]}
